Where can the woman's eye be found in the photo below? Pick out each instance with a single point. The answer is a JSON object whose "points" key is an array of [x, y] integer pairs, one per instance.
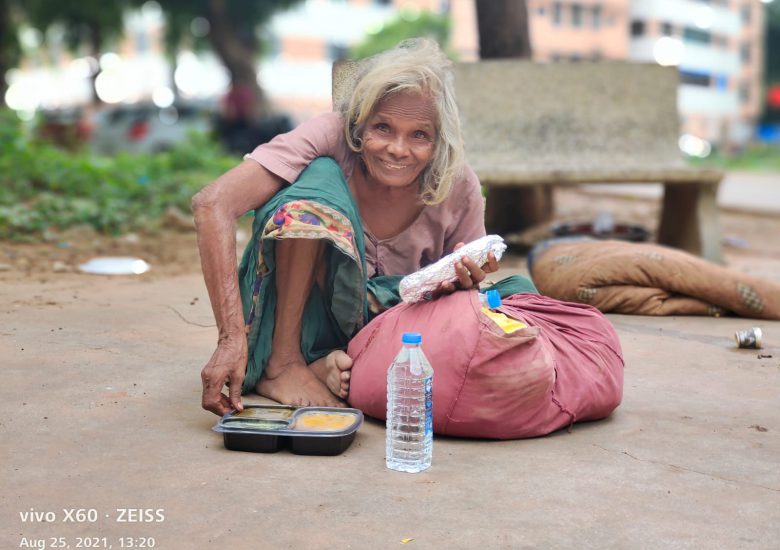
{"points": [[419, 134], [382, 127]]}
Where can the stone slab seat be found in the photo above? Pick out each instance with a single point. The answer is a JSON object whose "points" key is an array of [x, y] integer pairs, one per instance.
{"points": [[545, 124]]}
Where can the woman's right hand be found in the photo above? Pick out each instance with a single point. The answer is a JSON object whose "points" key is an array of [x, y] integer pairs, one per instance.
{"points": [[226, 366], [216, 208]]}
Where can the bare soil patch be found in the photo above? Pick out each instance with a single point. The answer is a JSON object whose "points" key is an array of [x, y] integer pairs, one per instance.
{"points": [[751, 241]]}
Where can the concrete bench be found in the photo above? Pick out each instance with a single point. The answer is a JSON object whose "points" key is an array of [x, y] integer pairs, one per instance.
{"points": [[528, 125]]}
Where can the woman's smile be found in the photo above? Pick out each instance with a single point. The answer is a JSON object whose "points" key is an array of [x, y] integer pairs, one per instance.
{"points": [[394, 166]]}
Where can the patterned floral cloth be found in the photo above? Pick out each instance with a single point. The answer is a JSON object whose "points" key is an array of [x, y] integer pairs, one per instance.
{"points": [[303, 219]]}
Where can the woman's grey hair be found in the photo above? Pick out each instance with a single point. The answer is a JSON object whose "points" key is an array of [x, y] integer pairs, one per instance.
{"points": [[416, 65]]}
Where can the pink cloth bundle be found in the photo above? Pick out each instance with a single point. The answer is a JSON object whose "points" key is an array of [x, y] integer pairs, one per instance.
{"points": [[566, 366]]}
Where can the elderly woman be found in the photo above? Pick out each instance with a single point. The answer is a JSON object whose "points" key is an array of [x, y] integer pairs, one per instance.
{"points": [[344, 205]]}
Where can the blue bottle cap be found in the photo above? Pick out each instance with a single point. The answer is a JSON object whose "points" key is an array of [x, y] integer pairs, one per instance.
{"points": [[411, 338], [493, 299]]}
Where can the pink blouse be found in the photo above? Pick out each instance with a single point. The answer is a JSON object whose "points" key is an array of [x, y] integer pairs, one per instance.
{"points": [[433, 234]]}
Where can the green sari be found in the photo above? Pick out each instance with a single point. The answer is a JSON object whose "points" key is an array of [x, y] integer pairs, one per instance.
{"points": [[319, 205]]}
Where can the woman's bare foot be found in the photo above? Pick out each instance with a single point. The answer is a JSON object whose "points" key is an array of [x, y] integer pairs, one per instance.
{"points": [[334, 370], [293, 383]]}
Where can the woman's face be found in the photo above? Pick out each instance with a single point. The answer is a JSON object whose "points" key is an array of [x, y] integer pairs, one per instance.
{"points": [[399, 139]]}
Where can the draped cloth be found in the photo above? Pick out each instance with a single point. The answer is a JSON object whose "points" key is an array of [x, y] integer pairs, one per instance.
{"points": [[647, 279]]}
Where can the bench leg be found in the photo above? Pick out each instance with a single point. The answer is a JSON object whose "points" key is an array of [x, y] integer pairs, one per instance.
{"points": [[513, 209], [689, 219]]}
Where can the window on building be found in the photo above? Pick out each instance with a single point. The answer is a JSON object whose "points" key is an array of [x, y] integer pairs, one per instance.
{"points": [[576, 15], [595, 17], [557, 13], [745, 13], [540, 11], [744, 93], [272, 46], [695, 78], [555, 57], [597, 55], [745, 52], [575, 57], [141, 40], [667, 29], [691, 34], [637, 28], [337, 52]]}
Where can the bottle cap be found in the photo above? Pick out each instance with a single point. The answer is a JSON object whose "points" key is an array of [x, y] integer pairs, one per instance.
{"points": [[411, 338], [493, 299]]}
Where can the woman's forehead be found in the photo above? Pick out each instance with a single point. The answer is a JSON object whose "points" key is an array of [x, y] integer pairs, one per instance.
{"points": [[413, 105]]}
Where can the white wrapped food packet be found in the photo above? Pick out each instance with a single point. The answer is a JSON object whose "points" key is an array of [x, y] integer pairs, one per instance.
{"points": [[415, 286]]}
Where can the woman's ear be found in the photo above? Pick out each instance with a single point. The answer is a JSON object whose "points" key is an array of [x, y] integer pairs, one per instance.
{"points": [[357, 142]]}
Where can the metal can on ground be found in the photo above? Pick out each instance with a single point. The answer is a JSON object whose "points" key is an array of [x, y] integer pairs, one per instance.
{"points": [[749, 338]]}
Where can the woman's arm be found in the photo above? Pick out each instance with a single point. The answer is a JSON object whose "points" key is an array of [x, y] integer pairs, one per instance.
{"points": [[216, 208], [470, 226]]}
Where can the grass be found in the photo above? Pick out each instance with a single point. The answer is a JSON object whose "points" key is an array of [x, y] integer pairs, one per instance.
{"points": [[44, 188], [759, 158]]}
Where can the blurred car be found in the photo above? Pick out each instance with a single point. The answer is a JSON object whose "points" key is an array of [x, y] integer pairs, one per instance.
{"points": [[146, 128], [242, 137]]}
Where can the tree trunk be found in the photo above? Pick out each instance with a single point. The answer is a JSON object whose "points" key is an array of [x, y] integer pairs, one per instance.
{"points": [[503, 29], [96, 45], [503, 32], [238, 56]]}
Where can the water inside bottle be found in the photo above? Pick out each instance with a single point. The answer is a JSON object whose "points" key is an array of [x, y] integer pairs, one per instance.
{"points": [[409, 412]]}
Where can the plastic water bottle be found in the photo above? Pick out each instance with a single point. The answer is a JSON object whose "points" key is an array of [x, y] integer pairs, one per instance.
{"points": [[409, 408]]}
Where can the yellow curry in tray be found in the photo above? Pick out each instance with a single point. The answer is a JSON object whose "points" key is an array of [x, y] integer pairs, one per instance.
{"points": [[324, 422]]}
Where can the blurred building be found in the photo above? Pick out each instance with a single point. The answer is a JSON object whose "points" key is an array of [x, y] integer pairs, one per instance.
{"points": [[308, 38], [304, 43], [717, 45]]}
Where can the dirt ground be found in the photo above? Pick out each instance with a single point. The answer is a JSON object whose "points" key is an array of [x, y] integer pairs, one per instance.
{"points": [[100, 409], [749, 245]]}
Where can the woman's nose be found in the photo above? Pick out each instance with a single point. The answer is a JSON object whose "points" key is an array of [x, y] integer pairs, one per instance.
{"points": [[397, 146]]}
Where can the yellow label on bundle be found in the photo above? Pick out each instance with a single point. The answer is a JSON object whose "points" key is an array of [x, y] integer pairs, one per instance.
{"points": [[507, 324]]}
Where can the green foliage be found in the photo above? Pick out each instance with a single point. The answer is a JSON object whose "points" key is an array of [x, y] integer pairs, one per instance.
{"points": [[84, 22], [10, 49], [760, 158], [409, 24], [243, 17], [44, 188]]}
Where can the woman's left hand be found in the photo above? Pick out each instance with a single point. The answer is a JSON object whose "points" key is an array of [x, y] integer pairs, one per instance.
{"points": [[469, 273]]}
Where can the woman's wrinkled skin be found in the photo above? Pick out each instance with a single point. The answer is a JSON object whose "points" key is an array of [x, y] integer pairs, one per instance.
{"points": [[398, 143]]}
